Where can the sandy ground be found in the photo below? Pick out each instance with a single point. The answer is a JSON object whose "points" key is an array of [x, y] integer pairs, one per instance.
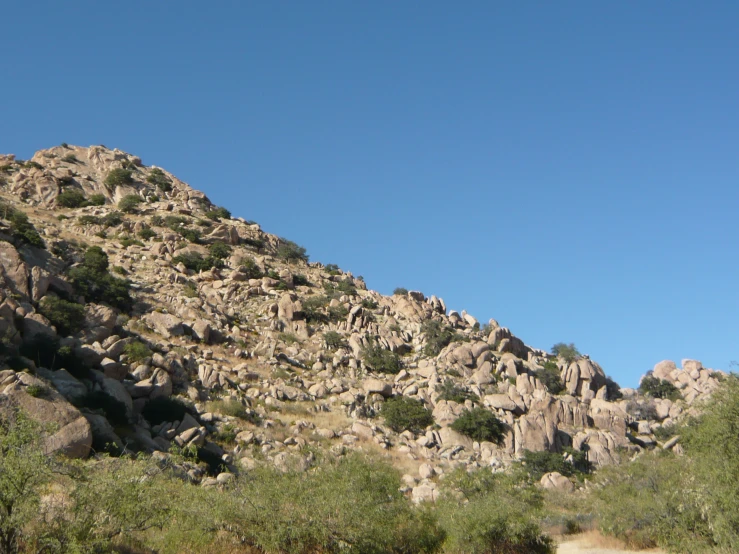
{"points": [[594, 544]]}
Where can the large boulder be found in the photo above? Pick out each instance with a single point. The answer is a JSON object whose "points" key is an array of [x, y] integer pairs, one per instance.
{"points": [[69, 432], [166, 325], [13, 271]]}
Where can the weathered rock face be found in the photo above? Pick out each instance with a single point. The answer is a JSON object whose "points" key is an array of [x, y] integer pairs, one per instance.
{"points": [[69, 433], [13, 271]]}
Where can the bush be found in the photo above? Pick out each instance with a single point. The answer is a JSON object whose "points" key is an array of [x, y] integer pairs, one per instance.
{"points": [[301, 280], [369, 304], [70, 158], [45, 351], [157, 178], [118, 177], [658, 388], [67, 317], [480, 425], [92, 280], [313, 309], [250, 268], [549, 376], [195, 261], [380, 360], [641, 410], [192, 235], [613, 390], [536, 464], [332, 269], [219, 250], [400, 291], [136, 352], [437, 336], [20, 227], [71, 199], [450, 391], [403, 413], [129, 203], [334, 340], [485, 513], [96, 200], [146, 233], [218, 213], [163, 409], [568, 352], [289, 251]]}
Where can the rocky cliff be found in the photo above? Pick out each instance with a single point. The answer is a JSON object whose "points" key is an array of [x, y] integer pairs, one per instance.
{"points": [[268, 353]]}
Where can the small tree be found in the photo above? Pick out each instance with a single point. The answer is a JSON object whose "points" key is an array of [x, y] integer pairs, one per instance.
{"points": [[658, 388], [96, 200], [403, 413], [568, 352], [67, 317], [118, 177], [290, 251], [71, 199], [400, 291], [550, 377], [218, 214], [380, 359], [481, 425], [129, 203], [219, 250]]}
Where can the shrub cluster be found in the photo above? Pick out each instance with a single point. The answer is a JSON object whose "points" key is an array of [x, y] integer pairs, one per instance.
{"points": [[568, 352], [92, 280], [550, 377], [67, 317], [380, 360], [118, 177], [290, 251], [480, 425], [437, 336], [196, 262], [129, 203], [157, 178], [403, 413], [20, 227], [658, 388], [450, 391]]}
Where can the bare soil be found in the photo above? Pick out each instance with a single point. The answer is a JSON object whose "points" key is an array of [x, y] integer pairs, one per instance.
{"points": [[595, 543]]}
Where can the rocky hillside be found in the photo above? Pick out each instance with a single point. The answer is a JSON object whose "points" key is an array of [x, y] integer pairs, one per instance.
{"points": [[136, 315]]}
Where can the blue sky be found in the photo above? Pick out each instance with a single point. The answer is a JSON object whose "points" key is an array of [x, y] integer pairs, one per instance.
{"points": [[567, 168]]}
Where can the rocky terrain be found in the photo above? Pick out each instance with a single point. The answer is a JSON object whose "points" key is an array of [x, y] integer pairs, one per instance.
{"points": [[268, 353]]}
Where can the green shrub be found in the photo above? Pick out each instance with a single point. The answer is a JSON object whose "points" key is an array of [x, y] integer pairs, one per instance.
{"points": [[218, 213], [613, 390], [536, 464], [486, 513], [658, 388], [250, 268], [381, 360], [234, 408], [549, 375], [289, 251], [157, 178], [96, 200], [403, 413], [127, 241], [71, 199], [112, 219], [70, 158], [163, 409], [568, 352], [369, 304], [219, 250], [334, 340], [45, 351], [192, 235], [288, 338], [67, 317], [437, 336], [195, 261], [20, 227], [137, 352], [301, 280], [129, 203], [313, 309], [332, 269], [666, 432], [146, 233], [37, 391], [92, 280], [118, 177], [480, 425], [89, 220], [450, 391], [400, 291]]}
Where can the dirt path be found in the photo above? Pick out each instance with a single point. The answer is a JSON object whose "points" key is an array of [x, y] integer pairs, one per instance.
{"points": [[595, 544]]}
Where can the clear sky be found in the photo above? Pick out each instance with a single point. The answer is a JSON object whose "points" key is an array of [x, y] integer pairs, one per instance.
{"points": [[568, 168]]}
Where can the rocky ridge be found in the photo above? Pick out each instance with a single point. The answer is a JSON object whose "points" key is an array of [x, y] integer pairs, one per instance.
{"points": [[268, 351]]}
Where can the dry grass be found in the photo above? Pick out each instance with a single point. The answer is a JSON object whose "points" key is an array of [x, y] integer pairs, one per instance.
{"points": [[593, 542]]}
